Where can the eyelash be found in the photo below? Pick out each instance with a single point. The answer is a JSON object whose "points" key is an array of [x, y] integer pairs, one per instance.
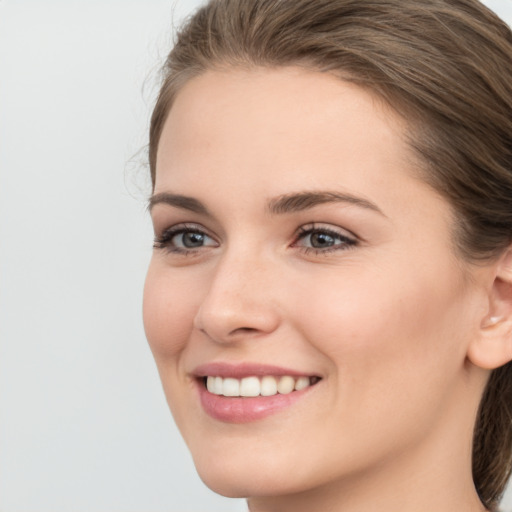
{"points": [[165, 240], [347, 242]]}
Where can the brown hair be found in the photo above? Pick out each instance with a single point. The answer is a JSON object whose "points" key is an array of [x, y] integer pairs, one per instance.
{"points": [[446, 67]]}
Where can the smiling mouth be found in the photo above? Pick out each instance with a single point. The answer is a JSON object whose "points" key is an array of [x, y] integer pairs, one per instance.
{"points": [[267, 385]]}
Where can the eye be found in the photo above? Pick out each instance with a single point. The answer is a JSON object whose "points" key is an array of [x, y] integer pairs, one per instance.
{"points": [[184, 239], [322, 239], [190, 239]]}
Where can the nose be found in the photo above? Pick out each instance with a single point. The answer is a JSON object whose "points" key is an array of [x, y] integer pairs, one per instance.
{"points": [[239, 303]]}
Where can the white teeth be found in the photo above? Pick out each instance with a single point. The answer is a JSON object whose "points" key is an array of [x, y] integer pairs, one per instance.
{"points": [[302, 382], [268, 386], [231, 387], [250, 386], [286, 385], [254, 386], [218, 386]]}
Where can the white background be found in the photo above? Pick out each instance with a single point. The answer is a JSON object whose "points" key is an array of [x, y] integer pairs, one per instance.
{"points": [[83, 422]]}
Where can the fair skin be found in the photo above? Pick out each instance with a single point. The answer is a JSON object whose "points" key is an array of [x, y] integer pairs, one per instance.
{"points": [[355, 284]]}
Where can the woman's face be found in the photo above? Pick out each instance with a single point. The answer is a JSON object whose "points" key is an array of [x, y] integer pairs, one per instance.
{"points": [[296, 247]]}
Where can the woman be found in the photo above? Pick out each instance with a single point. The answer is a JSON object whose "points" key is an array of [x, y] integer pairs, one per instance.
{"points": [[329, 301]]}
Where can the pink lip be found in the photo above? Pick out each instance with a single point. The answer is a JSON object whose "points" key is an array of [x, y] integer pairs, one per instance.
{"points": [[244, 409], [239, 371]]}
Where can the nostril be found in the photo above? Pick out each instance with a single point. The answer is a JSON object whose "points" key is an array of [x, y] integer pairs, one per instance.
{"points": [[243, 330]]}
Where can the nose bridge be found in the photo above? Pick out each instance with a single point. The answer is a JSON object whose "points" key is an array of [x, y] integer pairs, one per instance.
{"points": [[238, 302]]}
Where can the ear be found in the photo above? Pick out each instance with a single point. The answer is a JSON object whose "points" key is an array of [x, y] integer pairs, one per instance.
{"points": [[492, 347]]}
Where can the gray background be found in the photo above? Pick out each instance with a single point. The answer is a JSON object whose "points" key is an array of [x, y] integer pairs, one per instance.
{"points": [[83, 423]]}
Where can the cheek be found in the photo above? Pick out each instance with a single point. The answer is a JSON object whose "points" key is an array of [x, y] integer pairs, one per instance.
{"points": [[373, 325], [396, 353], [168, 312]]}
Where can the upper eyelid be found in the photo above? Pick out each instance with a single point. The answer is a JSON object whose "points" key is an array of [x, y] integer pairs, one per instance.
{"points": [[330, 228], [186, 226], [165, 223]]}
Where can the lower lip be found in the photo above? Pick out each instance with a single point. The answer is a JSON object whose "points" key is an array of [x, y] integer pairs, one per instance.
{"points": [[246, 409]]}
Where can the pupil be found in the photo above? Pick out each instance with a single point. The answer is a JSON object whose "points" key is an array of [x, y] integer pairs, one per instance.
{"points": [[193, 239], [321, 240]]}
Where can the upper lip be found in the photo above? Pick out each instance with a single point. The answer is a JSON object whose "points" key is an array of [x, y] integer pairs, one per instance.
{"points": [[241, 370]]}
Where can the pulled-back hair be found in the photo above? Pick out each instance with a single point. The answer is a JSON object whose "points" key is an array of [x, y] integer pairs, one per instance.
{"points": [[446, 67]]}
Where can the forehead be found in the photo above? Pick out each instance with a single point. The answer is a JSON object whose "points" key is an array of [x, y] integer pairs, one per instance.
{"points": [[280, 117]]}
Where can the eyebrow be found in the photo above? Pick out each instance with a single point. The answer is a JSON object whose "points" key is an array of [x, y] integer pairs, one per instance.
{"points": [[287, 203], [178, 201], [297, 202]]}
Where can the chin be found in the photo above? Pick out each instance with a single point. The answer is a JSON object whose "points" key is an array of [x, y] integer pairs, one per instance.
{"points": [[228, 486], [237, 476], [240, 483], [246, 475]]}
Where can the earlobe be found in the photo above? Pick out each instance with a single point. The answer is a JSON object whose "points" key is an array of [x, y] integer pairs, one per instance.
{"points": [[491, 321], [492, 347]]}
